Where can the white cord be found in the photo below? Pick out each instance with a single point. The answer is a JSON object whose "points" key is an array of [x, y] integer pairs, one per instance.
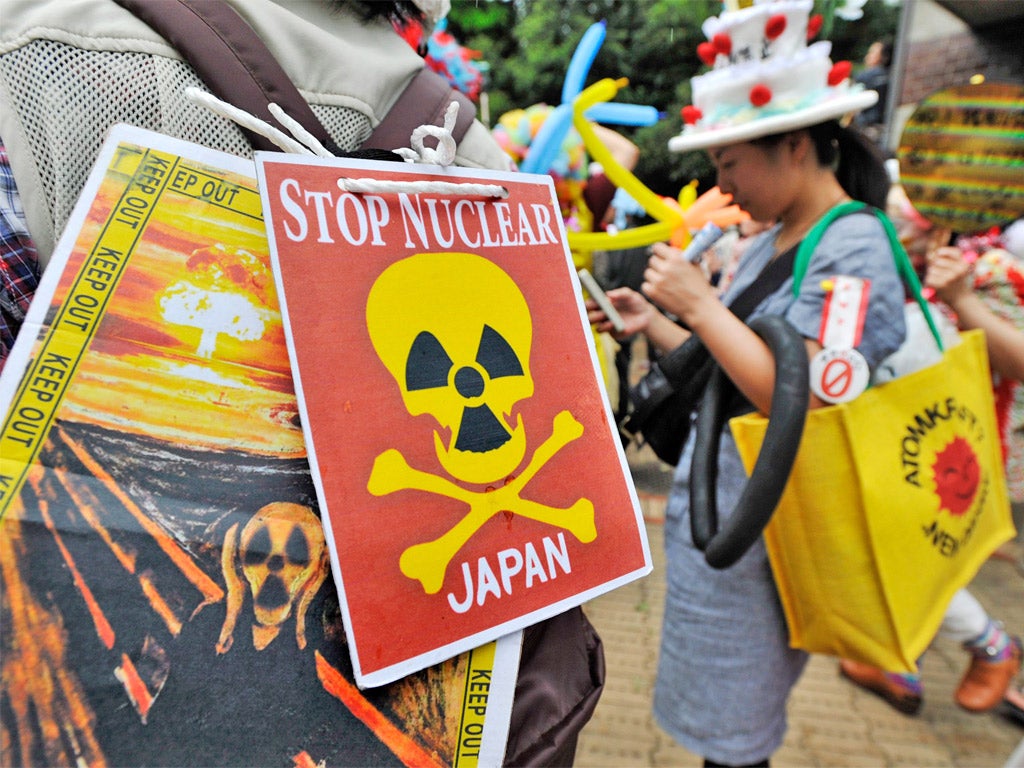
{"points": [[444, 155], [246, 120], [364, 186], [304, 143], [298, 131]]}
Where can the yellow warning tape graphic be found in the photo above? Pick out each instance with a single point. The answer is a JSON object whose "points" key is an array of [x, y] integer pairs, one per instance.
{"points": [[146, 175], [474, 705], [49, 375]]}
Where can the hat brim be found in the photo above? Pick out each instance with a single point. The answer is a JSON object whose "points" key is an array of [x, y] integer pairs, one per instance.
{"points": [[755, 129]]}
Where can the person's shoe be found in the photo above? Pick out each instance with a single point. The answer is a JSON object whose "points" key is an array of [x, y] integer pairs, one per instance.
{"points": [[1013, 704], [889, 687], [985, 682]]}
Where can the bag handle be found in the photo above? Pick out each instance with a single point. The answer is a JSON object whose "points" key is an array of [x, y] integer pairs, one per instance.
{"points": [[903, 266]]}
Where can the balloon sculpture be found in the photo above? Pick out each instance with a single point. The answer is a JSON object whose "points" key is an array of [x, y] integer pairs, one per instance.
{"points": [[545, 146], [674, 219], [580, 108]]}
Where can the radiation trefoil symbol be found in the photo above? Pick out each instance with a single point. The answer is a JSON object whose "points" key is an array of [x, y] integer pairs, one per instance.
{"points": [[280, 557], [454, 331]]}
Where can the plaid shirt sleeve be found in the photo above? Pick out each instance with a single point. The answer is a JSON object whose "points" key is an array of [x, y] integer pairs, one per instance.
{"points": [[19, 267]]}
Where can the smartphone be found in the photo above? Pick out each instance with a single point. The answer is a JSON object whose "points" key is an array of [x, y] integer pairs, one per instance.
{"points": [[602, 300]]}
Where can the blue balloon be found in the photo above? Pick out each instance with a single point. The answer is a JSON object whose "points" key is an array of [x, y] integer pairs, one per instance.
{"points": [[623, 114], [547, 143], [582, 58]]}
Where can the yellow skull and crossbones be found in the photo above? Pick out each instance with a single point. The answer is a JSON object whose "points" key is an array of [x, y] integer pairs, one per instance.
{"points": [[454, 331]]}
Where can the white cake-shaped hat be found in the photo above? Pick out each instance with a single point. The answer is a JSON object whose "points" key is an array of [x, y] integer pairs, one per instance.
{"points": [[765, 77]]}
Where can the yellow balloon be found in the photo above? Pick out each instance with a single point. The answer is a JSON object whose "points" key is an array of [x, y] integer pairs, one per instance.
{"points": [[668, 218], [688, 195], [628, 238], [601, 91], [675, 219]]}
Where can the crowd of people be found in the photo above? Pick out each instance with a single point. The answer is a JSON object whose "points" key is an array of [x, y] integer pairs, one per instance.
{"points": [[725, 667], [730, 621], [724, 631]]}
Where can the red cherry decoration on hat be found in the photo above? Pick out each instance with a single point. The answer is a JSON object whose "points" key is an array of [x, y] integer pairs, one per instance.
{"points": [[707, 53], [814, 25], [760, 95], [722, 43], [775, 26], [839, 72], [691, 114]]}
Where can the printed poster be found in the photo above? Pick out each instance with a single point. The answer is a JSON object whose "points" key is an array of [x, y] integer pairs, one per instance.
{"points": [[167, 597], [464, 453], [961, 153]]}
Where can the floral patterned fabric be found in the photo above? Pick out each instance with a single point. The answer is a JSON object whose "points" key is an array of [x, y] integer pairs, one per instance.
{"points": [[999, 280], [19, 267]]}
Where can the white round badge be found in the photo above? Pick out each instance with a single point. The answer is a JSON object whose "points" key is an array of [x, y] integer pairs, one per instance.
{"points": [[839, 375]]}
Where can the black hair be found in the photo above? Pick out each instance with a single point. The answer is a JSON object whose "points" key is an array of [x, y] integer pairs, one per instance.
{"points": [[861, 170], [400, 11], [859, 166], [885, 52]]}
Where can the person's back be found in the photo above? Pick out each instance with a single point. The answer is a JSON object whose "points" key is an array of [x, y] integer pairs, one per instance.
{"points": [[875, 77], [71, 69]]}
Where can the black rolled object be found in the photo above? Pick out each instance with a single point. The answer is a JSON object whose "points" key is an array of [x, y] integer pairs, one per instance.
{"points": [[760, 496]]}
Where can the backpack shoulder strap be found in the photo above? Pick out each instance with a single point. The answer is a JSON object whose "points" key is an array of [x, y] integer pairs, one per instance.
{"points": [[423, 102], [239, 69], [231, 59]]}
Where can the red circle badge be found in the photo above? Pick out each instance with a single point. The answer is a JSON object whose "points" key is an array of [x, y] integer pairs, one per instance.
{"points": [[839, 375]]}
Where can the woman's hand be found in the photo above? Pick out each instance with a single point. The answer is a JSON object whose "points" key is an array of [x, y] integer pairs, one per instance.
{"points": [[639, 316], [636, 312], [680, 287], [949, 274], [676, 285]]}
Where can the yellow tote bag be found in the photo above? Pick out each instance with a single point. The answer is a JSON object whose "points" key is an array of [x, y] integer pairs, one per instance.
{"points": [[894, 502]]}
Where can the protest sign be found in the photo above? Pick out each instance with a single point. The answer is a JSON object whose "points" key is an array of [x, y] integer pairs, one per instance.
{"points": [[470, 475], [960, 156], [167, 595]]}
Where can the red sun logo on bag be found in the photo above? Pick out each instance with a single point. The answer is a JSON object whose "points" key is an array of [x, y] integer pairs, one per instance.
{"points": [[957, 475]]}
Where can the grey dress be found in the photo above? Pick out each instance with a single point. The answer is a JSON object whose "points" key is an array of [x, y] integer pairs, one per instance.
{"points": [[725, 668]]}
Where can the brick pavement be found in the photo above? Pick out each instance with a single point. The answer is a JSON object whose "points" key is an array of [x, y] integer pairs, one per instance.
{"points": [[832, 723]]}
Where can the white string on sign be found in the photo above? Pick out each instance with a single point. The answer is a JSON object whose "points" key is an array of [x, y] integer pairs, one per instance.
{"points": [[364, 186], [301, 142], [247, 120], [443, 156], [298, 131]]}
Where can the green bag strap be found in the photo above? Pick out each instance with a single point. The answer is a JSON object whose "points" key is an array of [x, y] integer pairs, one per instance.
{"points": [[903, 266]]}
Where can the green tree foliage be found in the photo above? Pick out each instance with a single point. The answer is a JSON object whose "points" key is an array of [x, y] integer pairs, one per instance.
{"points": [[653, 43]]}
